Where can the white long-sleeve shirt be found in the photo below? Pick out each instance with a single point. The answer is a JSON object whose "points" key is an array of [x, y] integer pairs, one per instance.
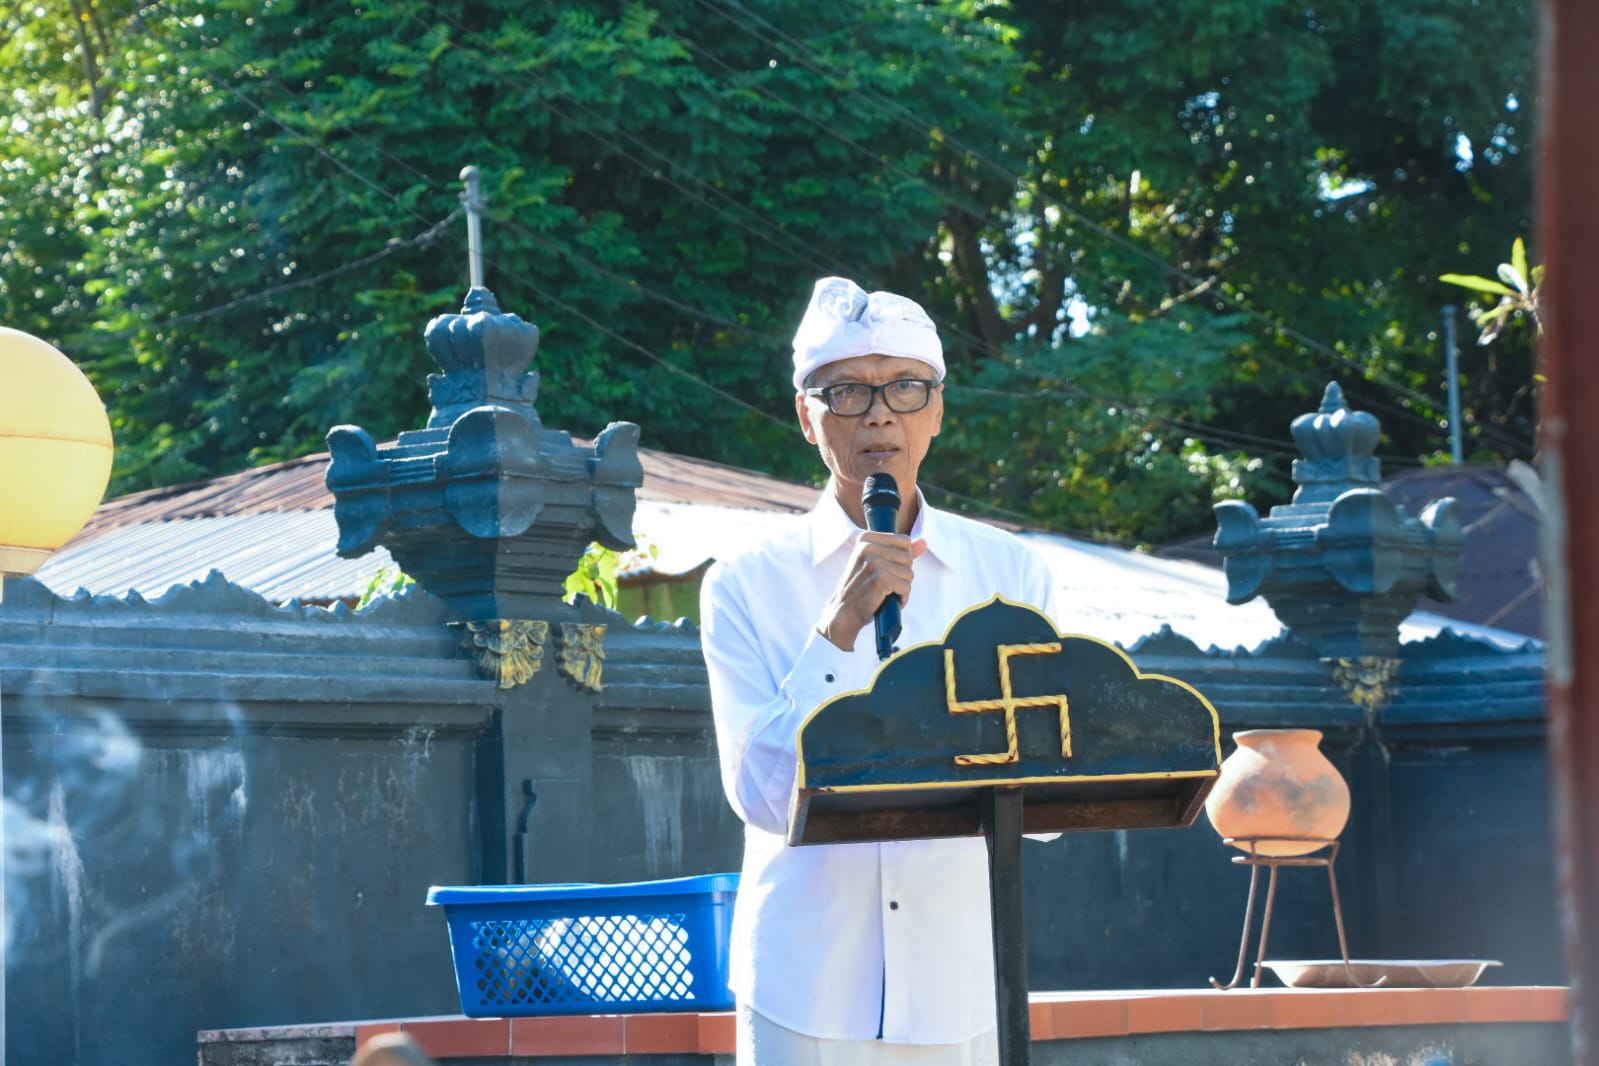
{"points": [[830, 939]]}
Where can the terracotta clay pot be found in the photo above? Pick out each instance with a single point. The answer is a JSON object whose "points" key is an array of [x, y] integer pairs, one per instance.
{"points": [[1278, 784]]}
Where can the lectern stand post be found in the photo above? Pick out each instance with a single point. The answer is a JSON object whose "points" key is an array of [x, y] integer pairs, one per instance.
{"points": [[1002, 828]]}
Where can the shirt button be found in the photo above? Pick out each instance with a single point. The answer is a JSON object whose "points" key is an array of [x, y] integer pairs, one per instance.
{"points": [[893, 904], [829, 678]]}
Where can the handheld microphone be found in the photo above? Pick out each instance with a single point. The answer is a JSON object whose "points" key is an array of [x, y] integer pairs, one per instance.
{"points": [[880, 498]]}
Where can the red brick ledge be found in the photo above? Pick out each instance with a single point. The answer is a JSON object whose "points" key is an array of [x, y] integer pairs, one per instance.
{"points": [[1055, 1016]]}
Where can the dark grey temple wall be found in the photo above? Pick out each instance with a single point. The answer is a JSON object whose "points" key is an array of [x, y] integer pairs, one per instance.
{"points": [[217, 810], [1448, 851], [224, 814], [220, 813]]}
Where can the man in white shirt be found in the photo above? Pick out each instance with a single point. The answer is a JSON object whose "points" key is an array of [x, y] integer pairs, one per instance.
{"points": [[852, 953]]}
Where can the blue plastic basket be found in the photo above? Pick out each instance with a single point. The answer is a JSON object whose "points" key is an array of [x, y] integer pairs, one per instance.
{"points": [[586, 949]]}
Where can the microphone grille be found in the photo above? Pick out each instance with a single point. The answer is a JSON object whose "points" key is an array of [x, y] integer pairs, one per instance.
{"points": [[880, 490]]}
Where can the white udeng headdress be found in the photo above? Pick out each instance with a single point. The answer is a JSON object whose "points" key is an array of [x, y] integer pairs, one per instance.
{"points": [[844, 321]]}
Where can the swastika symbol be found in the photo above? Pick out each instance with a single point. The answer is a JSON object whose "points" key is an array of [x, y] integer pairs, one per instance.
{"points": [[1008, 703]]}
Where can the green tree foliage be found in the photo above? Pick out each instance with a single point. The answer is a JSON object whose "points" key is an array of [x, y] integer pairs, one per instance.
{"points": [[1259, 165], [388, 581], [599, 572], [238, 216], [654, 206]]}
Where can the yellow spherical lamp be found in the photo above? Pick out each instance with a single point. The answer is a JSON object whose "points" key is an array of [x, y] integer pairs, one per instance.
{"points": [[55, 451]]}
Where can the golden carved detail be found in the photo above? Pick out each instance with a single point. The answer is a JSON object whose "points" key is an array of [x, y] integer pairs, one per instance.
{"points": [[507, 651], [1366, 679], [583, 654], [1008, 702]]}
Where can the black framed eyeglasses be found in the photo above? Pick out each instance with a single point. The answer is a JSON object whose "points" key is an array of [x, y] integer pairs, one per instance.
{"points": [[851, 399]]}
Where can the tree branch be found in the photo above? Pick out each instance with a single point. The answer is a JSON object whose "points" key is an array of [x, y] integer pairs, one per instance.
{"points": [[91, 66], [9, 23], [972, 269], [1189, 294], [1052, 274], [99, 29]]}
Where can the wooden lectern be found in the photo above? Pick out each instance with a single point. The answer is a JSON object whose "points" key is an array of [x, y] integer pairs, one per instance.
{"points": [[1004, 727]]}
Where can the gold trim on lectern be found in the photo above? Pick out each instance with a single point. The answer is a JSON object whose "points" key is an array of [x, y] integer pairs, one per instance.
{"points": [[999, 782]]}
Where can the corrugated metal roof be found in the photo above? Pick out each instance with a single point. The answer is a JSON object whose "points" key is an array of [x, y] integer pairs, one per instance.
{"points": [[298, 485], [1106, 592], [1122, 595], [1499, 512], [272, 530], [291, 554], [284, 556], [679, 538]]}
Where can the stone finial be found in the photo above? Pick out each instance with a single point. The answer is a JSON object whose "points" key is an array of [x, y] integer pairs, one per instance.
{"points": [[1337, 444], [485, 356], [486, 508], [1341, 565]]}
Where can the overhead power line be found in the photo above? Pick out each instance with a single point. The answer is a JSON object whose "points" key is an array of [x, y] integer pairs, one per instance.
{"points": [[393, 245], [1230, 438], [670, 166], [560, 248], [545, 294], [517, 277], [1190, 427], [758, 225], [808, 56], [1187, 426], [905, 116]]}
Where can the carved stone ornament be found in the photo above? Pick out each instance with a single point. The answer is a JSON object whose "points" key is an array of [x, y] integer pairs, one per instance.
{"points": [[1341, 565], [1366, 679], [583, 654], [486, 508], [507, 652]]}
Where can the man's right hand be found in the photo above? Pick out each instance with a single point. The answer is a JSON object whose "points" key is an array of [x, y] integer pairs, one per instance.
{"points": [[878, 567]]}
